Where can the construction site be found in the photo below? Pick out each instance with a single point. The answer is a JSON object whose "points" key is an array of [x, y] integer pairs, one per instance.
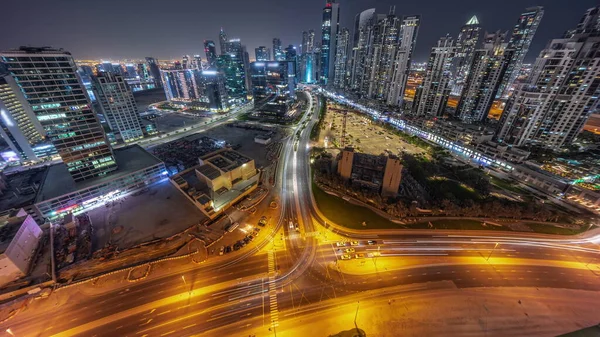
{"points": [[343, 127]]}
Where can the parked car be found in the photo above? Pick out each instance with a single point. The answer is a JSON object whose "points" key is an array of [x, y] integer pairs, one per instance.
{"points": [[340, 244], [227, 249], [359, 256], [350, 250], [345, 257], [222, 250], [354, 243], [372, 242]]}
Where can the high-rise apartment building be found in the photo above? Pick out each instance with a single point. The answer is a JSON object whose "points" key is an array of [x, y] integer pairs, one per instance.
{"points": [[154, 70], [19, 126], [561, 93], [182, 85], [432, 95], [520, 40], [408, 38], [487, 69], [363, 23], [262, 54], [47, 77], [278, 54], [186, 62], [329, 31], [384, 45], [118, 106], [308, 41], [466, 43], [341, 59], [211, 53]]}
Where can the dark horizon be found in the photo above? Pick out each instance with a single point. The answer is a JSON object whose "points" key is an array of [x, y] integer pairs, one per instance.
{"points": [[136, 29]]}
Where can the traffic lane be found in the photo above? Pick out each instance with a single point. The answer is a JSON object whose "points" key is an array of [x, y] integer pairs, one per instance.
{"points": [[213, 302], [181, 323], [475, 276], [486, 250], [135, 295]]}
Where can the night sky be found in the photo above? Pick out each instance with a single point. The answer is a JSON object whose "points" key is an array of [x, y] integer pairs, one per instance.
{"points": [[116, 29]]}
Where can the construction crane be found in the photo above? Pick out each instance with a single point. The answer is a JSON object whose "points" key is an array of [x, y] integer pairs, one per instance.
{"points": [[344, 116]]}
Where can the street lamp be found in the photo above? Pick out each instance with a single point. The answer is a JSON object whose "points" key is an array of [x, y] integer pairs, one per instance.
{"points": [[488, 258]]}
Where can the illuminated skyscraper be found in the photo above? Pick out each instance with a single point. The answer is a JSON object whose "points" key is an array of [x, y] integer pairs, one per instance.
{"points": [[329, 31], [467, 42], [154, 70], [185, 62], [408, 39], [272, 87], [235, 79], [363, 23], [223, 42], [211, 53], [432, 95], [487, 68], [19, 126], [215, 90], [278, 54], [308, 41], [182, 85], [262, 54], [384, 45], [341, 59], [561, 93], [47, 77], [520, 40], [118, 106]]}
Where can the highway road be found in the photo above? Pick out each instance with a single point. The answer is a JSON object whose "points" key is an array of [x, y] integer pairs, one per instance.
{"points": [[258, 288]]}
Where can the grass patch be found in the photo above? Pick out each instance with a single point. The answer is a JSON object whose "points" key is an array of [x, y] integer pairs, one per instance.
{"points": [[549, 229], [457, 224], [447, 189], [349, 215], [505, 184]]}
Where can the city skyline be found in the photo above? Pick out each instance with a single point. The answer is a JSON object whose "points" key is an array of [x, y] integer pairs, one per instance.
{"points": [[95, 40]]}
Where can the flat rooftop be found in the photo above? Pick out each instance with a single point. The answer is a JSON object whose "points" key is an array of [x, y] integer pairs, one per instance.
{"points": [[8, 229], [59, 182], [209, 171], [22, 188]]}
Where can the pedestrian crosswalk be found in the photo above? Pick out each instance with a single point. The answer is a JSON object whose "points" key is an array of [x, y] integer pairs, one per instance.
{"points": [[273, 290]]}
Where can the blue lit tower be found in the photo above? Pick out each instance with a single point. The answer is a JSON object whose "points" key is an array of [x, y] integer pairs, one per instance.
{"points": [[329, 31]]}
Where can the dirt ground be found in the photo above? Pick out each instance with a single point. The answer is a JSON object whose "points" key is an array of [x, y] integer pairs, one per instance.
{"points": [[362, 134], [158, 212]]}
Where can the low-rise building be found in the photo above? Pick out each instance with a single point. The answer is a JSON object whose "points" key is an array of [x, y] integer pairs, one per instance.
{"points": [[19, 238], [379, 173], [262, 139], [221, 179], [49, 192]]}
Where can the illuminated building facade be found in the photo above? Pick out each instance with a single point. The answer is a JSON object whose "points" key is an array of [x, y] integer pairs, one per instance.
{"points": [[562, 91], [215, 90], [432, 95], [363, 23], [262, 54], [278, 54], [329, 31], [48, 79], [211, 53], [466, 43], [154, 70], [487, 68], [272, 87], [408, 38], [19, 126], [235, 79], [118, 107], [181, 85], [520, 40], [341, 59]]}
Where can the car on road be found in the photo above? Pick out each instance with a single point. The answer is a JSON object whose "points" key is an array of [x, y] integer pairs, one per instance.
{"points": [[222, 250], [354, 243], [350, 250], [372, 242], [345, 257], [359, 256], [297, 227], [237, 246], [340, 244], [227, 249]]}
